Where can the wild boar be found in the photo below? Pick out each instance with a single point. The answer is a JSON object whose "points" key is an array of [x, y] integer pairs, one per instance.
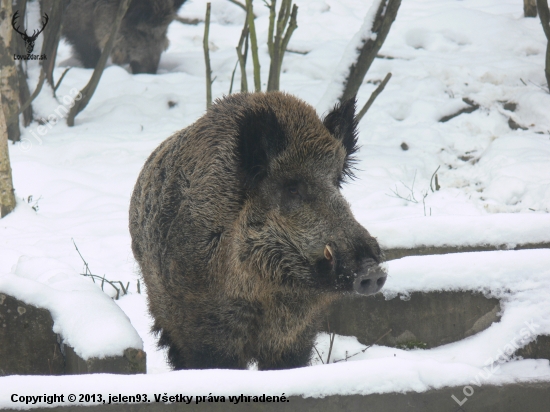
{"points": [[242, 235], [141, 37]]}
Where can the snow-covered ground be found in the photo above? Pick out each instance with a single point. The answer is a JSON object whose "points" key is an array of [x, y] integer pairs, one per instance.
{"points": [[495, 186]]}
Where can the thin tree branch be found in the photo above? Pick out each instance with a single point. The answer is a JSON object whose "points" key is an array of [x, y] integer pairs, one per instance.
{"points": [[238, 3], [60, 79], [88, 90], [472, 107], [207, 57], [185, 20], [373, 97], [254, 46], [270, 31], [242, 56]]}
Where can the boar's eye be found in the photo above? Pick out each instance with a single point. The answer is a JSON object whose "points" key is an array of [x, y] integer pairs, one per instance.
{"points": [[292, 194], [293, 190]]}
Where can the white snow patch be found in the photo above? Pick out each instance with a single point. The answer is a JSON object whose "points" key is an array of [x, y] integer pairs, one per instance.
{"points": [[86, 318]]}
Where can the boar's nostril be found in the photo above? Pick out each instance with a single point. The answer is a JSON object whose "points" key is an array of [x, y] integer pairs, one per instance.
{"points": [[328, 253], [370, 282]]}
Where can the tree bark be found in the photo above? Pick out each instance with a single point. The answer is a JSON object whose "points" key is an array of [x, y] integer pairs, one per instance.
{"points": [[530, 8], [544, 14], [19, 48], [7, 197], [9, 79]]}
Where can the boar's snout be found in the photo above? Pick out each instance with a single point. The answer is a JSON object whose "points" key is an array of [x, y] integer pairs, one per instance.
{"points": [[145, 67], [370, 278]]}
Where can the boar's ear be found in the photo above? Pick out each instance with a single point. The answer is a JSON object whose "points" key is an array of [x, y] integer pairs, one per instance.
{"points": [[341, 123], [260, 140]]}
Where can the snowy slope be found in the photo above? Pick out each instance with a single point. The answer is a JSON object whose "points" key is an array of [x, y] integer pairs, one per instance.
{"points": [[495, 180]]}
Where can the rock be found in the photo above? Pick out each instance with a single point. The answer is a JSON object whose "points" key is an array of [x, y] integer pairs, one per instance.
{"points": [[425, 319], [28, 346]]}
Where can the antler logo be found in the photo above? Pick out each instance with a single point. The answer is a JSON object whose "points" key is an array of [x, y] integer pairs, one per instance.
{"points": [[29, 40]]}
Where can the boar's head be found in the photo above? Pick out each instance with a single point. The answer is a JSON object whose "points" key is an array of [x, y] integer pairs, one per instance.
{"points": [[295, 227]]}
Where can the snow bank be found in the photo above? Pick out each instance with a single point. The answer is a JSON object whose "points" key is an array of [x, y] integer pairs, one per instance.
{"points": [[499, 229], [86, 318]]}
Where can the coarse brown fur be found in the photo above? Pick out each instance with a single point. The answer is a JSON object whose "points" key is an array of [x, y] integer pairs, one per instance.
{"points": [[141, 37], [230, 221]]}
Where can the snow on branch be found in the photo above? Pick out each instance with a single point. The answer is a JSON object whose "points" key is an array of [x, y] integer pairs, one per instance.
{"points": [[360, 52]]}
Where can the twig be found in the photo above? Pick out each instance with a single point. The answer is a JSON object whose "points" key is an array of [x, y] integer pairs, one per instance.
{"points": [[102, 278], [185, 20], [332, 336], [103, 281], [233, 76], [318, 354], [81, 257], [364, 350], [238, 3], [437, 187], [411, 197], [424, 195], [303, 53], [472, 108], [243, 55], [373, 97], [60, 79], [207, 58], [124, 289]]}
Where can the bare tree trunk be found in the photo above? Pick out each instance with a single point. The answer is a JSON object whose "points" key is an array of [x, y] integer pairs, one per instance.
{"points": [[544, 14], [9, 80], [19, 48], [530, 8], [383, 19], [7, 198], [278, 40]]}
